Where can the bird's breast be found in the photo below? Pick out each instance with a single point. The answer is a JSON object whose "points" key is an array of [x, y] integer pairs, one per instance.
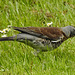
{"points": [[44, 45]]}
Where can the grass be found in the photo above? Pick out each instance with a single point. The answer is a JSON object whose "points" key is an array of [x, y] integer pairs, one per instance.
{"points": [[17, 58]]}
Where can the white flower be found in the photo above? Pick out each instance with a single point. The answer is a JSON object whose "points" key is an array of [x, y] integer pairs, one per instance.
{"points": [[4, 36], [9, 26], [7, 29], [3, 31], [48, 24]]}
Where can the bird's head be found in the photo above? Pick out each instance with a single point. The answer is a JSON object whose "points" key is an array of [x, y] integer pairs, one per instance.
{"points": [[69, 31], [72, 31]]}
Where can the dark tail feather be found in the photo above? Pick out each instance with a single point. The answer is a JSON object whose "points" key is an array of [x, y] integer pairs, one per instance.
{"points": [[7, 38]]}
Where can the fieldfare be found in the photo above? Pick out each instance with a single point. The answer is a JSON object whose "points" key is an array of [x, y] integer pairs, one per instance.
{"points": [[42, 38]]}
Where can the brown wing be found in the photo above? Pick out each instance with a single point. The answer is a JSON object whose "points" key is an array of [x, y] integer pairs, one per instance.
{"points": [[53, 33]]}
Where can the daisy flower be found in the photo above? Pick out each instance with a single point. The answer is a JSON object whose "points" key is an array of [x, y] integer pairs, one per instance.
{"points": [[4, 35], [7, 29], [3, 31], [48, 24]]}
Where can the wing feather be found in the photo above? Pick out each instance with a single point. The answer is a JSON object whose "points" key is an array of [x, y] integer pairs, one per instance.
{"points": [[52, 33]]}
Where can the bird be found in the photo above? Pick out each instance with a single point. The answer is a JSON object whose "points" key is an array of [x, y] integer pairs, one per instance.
{"points": [[42, 38]]}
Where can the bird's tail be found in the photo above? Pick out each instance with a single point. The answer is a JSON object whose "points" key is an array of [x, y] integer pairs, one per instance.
{"points": [[7, 38]]}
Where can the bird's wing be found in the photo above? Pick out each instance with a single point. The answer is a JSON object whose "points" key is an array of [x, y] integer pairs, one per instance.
{"points": [[52, 33]]}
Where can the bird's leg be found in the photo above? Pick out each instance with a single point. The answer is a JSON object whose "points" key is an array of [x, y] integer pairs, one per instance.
{"points": [[36, 54]]}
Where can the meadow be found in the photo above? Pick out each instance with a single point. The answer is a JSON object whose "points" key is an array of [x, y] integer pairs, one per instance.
{"points": [[17, 58]]}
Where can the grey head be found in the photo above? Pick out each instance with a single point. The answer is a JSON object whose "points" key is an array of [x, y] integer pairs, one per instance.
{"points": [[69, 31]]}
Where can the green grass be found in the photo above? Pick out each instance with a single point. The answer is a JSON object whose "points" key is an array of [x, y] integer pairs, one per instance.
{"points": [[17, 58]]}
